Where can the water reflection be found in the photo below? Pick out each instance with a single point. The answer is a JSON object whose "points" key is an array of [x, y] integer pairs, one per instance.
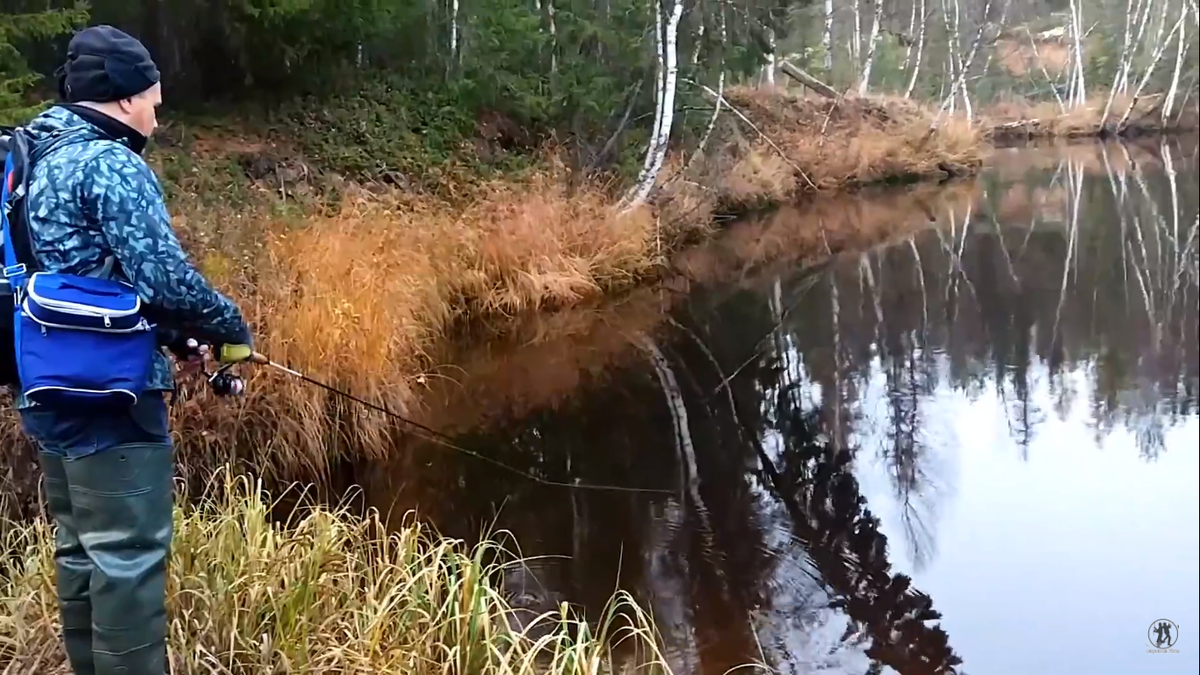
{"points": [[860, 457]]}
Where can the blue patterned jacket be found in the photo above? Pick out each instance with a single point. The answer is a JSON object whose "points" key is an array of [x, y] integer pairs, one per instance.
{"points": [[96, 208]]}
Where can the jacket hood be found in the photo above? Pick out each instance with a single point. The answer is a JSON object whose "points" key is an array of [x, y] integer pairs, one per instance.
{"points": [[59, 127]]}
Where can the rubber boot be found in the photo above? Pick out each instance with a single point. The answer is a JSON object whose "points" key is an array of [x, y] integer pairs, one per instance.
{"points": [[122, 499], [73, 568]]}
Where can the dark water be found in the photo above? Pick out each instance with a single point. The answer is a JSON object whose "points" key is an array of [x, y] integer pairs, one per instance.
{"points": [[973, 450]]}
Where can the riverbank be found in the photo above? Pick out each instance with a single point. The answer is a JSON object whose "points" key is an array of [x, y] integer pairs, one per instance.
{"points": [[1097, 118], [358, 283], [328, 594], [279, 269], [358, 293], [226, 545]]}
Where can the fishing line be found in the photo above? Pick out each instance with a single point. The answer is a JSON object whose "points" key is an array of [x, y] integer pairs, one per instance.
{"points": [[445, 441]]}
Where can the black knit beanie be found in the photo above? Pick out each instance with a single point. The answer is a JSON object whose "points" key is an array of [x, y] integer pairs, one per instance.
{"points": [[105, 64]]}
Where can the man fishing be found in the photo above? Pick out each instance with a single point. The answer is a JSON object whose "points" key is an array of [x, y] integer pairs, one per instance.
{"points": [[95, 209]]}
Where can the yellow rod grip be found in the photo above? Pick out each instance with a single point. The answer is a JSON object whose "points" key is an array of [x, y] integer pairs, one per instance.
{"points": [[235, 353]]}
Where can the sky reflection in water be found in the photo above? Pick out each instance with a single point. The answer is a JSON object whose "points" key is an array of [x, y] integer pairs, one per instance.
{"points": [[1016, 434]]}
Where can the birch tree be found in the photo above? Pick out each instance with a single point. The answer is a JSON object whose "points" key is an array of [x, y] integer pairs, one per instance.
{"points": [[1123, 65], [856, 42], [916, 64], [1160, 47], [963, 68], [1182, 46], [1078, 87], [768, 74], [454, 53], [666, 43], [827, 37], [872, 41]]}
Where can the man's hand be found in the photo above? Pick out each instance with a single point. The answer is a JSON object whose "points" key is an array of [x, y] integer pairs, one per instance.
{"points": [[191, 356]]}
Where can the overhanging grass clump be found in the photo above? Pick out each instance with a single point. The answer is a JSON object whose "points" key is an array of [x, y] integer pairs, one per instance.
{"points": [[329, 593]]}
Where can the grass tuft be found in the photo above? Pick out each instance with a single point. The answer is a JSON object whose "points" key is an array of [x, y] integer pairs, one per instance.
{"points": [[326, 593], [1018, 120], [362, 298], [801, 145]]}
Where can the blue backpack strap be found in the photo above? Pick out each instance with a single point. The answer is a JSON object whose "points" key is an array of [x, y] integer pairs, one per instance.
{"points": [[10, 256], [18, 251]]}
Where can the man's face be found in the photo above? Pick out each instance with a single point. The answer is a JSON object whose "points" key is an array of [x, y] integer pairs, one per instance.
{"points": [[141, 110]]}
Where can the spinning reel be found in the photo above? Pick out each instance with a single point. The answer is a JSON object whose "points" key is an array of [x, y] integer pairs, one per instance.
{"points": [[226, 383], [223, 381]]}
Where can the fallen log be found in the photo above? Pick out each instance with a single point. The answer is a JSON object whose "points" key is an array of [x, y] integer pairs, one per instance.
{"points": [[808, 80]]}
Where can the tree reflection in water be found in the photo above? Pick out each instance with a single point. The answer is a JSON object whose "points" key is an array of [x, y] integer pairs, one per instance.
{"points": [[1059, 284]]}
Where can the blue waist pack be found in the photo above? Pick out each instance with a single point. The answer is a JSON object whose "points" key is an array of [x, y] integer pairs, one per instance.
{"points": [[78, 342]]}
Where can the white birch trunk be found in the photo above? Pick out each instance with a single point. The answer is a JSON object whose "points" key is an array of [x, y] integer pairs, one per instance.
{"points": [[827, 37], [958, 38], [1137, 42], [912, 31], [1158, 52], [768, 76], [1123, 66], [553, 36], [964, 68], [453, 36], [856, 43], [1078, 86], [1183, 47], [955, 42], [668, 66], [454, 28], [865, 77], [712, 121], [987, 64], [659, 82], [916, 69]]}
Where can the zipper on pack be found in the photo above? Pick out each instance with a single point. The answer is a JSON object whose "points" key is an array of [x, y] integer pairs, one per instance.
{"points": [[77, 308]]}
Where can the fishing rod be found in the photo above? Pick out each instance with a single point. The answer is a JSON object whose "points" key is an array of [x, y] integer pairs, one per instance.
{"points": [[224, 382]]}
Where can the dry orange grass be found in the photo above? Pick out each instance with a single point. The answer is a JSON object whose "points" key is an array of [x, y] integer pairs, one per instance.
{"points": [[811, 144], [1015, 120], [362, 299]]}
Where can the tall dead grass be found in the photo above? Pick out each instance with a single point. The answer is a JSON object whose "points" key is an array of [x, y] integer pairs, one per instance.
{"points": [[360, 300], [1010, 121], [857, 140], [328, 593], [801, 145]]}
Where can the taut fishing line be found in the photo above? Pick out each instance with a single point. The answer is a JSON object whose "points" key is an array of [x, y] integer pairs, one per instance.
{"points": [[445, 441]]}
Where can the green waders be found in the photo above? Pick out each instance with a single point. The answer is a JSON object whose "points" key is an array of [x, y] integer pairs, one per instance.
{"points": [[108, 481]]}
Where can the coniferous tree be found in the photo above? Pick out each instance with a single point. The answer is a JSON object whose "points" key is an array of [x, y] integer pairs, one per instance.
{"points": [[16, 78]]}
